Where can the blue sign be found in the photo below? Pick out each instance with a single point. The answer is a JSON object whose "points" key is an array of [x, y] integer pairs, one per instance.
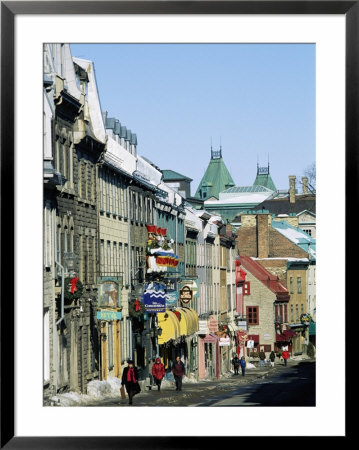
{"points": [[154, 298], [105, 314], [171, 297]]}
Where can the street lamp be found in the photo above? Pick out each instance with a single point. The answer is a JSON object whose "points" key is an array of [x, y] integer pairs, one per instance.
{"points": [[69, 262]]}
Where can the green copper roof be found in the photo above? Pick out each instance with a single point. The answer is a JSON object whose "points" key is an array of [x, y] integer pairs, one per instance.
{"points": [[263, 178], [216, 178], [172, 175]]}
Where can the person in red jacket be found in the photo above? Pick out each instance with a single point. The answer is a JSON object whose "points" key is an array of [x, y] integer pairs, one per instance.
{"points": [[158, 372], [285, 356]]}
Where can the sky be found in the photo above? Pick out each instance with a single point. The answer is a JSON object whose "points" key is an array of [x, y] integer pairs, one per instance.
{"points": [[257, 101]]}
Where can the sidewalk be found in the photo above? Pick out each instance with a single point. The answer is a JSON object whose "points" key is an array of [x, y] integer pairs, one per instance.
{"points": [[107, 393]]}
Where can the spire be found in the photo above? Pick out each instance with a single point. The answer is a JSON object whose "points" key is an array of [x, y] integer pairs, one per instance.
{"points": [[216, 178], [264, 178]]}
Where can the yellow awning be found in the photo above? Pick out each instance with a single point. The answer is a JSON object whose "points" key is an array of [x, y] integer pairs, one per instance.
{"points": [[188, 322], [170, 326]]}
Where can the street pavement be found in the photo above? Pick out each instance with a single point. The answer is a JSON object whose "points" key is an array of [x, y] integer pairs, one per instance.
{"points": [[293, 385]]}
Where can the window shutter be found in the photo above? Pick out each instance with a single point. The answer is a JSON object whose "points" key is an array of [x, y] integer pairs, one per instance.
{"points": [[246, 288]]}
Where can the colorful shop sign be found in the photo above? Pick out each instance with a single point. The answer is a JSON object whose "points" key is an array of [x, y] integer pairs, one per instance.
{"points": [[224, 342], [154, 298], [107, 314], [193, 285], [186, 294], [109, 291], [171, 297]]}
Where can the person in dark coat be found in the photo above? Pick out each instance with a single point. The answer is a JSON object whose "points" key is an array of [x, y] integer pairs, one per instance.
{"points": [[158, 372], [262, 357], [242, 362], [178, 371], [130, 380], [235, 362], [272, 358]]}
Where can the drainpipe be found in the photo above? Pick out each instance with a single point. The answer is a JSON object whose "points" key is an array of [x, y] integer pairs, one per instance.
{"points": [[129, 265], [61, 311]]}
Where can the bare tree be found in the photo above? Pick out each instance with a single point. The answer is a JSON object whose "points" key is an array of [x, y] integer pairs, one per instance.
{"points": [[310, 173]]}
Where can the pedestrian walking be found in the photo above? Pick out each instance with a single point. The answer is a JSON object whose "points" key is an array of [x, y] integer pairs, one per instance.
{"points": [[285, 356], [158, 372], [262, 357], [235, 362], [178, 371], [272, 358], [130, 380], [151, 362], [242, 362]]}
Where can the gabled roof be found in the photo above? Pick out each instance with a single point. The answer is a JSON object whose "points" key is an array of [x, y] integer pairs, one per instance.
{"points": [[268, 279], [172, 175], [297, 236], [282, 205], [216, 178]]}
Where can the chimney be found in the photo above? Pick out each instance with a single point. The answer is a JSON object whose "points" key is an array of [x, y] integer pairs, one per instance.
{"points": [[305, 185], [262, 235], [292, 188]]}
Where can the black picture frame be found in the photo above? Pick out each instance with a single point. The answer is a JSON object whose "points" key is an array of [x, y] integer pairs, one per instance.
{"points": [[9, 9]]}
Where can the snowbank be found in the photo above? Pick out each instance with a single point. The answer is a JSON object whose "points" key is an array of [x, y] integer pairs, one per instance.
{"points": [[250, 366], [95, 390]]}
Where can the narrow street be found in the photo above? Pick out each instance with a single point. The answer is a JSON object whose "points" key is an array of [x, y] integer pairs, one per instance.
{"points": [[293, 385]]}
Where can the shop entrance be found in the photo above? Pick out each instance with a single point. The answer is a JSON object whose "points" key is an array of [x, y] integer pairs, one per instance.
{"points": [[209, 359]]}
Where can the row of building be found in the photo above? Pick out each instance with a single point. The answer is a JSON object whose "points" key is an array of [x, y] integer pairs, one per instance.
{"points": [[134, 267]]}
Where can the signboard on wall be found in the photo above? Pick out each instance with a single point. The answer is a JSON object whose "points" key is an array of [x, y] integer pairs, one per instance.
{"points": [[108, 291], [107, 314], [171, 297], [186, 294], [154, 298], [224, 342], [250, 344], [203, 327]]}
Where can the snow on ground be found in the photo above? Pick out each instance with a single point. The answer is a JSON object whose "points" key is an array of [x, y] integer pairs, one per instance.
{"points": [[99, 390], [96, 390], [250, 366]]}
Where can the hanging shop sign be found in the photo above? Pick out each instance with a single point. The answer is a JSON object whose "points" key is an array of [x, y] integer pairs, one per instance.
{"points": [[192, 284], [107, 314], [203, 327], [242, 324], [186, 294], [250, 344], [224, 342], [108, 291], [171, 297], [159, 253], [212, 324], [154, 298]]}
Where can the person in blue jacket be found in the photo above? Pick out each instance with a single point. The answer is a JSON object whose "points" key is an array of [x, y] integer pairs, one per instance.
{"points": [[243, 365]]}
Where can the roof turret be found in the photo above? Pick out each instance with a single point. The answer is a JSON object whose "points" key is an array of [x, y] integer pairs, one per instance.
{"points": [[216, 178]]}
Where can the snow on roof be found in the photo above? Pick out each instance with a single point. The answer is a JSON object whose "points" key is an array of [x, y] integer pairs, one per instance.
{"points": [[93, 99], [297, 236], [241, 198], [120, 157], [151, 173]]}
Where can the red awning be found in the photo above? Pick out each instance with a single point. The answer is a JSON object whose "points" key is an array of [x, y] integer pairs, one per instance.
{"points": [[289, 333], [285, 336], [253, 337], [281, 338]]}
